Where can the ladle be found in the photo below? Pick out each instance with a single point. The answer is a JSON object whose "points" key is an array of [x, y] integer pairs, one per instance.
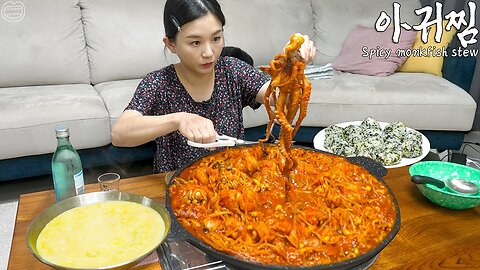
{"points": [[458, 185]]}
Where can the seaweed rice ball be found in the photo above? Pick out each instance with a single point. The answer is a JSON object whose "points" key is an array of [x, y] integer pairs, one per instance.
{"points": [[371, 146], [353, 133], [390, 157], [371, 127], [412, 145], [414, 136], [387, 146], [397, 129], [333, 134], [337, 147], [349, 150], [392, 142]]}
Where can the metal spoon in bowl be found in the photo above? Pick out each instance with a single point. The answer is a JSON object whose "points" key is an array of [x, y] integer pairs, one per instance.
{"points": [[459, 185]]}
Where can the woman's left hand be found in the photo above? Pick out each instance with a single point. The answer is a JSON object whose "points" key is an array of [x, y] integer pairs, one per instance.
{"points": [[307, 50]]}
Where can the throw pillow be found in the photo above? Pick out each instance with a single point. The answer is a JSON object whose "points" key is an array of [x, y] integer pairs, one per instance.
{"points": [[369, 52], [428, 57]]}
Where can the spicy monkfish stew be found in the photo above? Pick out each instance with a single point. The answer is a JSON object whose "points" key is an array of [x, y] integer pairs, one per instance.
{"points": [[237, 201]]}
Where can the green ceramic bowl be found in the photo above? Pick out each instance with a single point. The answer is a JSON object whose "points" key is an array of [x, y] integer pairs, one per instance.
{"points": [[442, 170]]}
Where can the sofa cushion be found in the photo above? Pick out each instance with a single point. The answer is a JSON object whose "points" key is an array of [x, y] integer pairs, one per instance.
{"points": [[329, 39], [421, 101], [276, 21], [360, 51], [124, 38], [45, 46], [31, 114], [254, 118], [116, 95]]}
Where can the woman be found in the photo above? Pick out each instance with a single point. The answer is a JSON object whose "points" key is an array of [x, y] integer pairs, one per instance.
{"points": [[201, 96]]}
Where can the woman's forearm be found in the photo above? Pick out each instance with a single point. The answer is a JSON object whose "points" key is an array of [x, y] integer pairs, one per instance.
{"points": [[133, 128], [261, 92]]}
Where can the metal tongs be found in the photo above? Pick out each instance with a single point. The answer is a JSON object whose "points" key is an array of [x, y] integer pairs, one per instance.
{"points": [[221, 141]]}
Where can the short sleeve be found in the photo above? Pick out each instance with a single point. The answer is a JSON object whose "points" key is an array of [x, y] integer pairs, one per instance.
{"points": [[146, 95], [251, 79]]}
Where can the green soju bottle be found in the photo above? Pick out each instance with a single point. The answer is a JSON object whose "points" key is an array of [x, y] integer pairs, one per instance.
{"points": [[66, 168]]}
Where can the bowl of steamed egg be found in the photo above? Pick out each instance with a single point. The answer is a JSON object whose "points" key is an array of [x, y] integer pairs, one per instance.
{"points": [[99, 230]]}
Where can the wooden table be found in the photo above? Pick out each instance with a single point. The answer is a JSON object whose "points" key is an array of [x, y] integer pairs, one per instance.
{"points": [[430, 237]]}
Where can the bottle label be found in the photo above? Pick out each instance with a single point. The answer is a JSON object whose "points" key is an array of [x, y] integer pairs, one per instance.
{"points": [[79, 183]]}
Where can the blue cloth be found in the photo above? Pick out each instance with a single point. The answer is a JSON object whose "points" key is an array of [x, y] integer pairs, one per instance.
{"points": [[459, 70], [315, 72]]}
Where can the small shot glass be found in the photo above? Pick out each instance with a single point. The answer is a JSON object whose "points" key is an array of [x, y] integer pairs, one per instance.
{"points": [[109, 181]]}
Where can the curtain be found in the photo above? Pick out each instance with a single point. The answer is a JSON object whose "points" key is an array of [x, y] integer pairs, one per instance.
{"points": [[459, 5]]}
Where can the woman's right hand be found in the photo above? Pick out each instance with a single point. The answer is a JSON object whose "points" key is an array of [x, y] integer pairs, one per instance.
{"points": [[196, 128]]}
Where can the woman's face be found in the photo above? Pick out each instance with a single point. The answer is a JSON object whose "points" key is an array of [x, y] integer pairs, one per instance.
{"points": [[199, 44]]}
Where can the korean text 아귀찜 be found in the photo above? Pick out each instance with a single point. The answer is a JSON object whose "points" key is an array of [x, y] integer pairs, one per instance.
{"points": [[455, 19]]}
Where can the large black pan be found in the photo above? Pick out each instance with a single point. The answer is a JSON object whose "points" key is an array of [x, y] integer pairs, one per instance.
{"points": [[179, 232]]}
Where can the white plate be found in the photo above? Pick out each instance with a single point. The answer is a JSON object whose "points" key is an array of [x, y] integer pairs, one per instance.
{"points": [[320, 138]]}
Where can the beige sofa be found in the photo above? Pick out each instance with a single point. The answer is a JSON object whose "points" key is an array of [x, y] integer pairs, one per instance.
{"points": [[77, 63]]}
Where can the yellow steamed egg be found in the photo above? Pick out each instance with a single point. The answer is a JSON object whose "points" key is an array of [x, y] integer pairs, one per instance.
{"points": [[101, 234]]}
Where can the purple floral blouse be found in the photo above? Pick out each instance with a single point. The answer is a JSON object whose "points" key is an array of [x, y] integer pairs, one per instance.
{"points": [[160, 92]]}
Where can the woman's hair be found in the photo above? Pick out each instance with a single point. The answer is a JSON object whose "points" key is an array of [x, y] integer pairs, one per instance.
{"points": [[180, 12], [237, 53]]}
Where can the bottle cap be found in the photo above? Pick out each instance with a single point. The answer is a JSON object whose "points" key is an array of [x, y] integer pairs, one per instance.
{"points": [[62, 132]]}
